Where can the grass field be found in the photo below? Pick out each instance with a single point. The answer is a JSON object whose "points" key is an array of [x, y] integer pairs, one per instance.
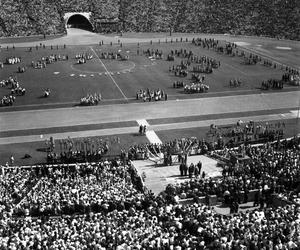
{"points": [[69, 81], [118, 82]]}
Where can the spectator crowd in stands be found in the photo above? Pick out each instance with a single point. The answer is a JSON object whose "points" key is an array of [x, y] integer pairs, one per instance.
{"points": [[105, 206]]}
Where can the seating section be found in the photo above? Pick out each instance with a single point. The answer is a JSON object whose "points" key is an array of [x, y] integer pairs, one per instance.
{"points": [[24, 18], [269, 18], [104, 205]]}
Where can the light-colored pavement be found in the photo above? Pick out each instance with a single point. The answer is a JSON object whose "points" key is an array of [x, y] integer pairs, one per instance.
{"points": [[158, 177]]}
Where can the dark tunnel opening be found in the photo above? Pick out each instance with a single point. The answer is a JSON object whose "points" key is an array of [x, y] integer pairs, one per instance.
{"points": [[80, 22]]}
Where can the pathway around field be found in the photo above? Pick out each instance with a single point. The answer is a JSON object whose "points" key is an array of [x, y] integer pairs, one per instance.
{"points": [[109, 74], [152, 137], [32, 119]]}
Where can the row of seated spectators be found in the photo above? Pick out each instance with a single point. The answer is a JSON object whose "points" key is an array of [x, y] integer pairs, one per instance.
{"points": [[69, 189], [118, 215], [153, 225], [14, 185], [243, 18]]}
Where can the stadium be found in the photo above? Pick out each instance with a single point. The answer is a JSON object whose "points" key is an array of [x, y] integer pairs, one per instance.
{"points": [[150, 124]]}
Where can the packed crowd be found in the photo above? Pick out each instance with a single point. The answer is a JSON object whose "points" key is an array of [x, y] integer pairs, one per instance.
{"points": [[146, 222], [14, 186], [213, 17], [269, 168], [101, 187], [104, 206]]}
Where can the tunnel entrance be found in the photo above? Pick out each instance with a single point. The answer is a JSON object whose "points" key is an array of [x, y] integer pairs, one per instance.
{"points": [[80, 22]]}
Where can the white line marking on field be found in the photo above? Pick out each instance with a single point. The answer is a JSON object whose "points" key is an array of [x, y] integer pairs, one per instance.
{"points": [[150, 134], [72, 75], [109, 74], [283, 48]]}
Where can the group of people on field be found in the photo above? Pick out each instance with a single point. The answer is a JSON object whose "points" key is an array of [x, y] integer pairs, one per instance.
{"points": [[15, 90], [72, 150], [91, 99], [42, 63], [154, 54], [12, 60], [83, 58], [151, 95]]}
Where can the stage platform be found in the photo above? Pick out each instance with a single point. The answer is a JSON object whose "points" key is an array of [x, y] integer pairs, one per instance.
{"points": [[158, 177]]}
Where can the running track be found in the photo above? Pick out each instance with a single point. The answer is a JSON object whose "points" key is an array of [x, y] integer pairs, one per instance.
{"points": [[64, 117]]}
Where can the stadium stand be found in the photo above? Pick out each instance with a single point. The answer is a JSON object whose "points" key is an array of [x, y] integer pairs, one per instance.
{"points": [[269, 18], [105, 206]]}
